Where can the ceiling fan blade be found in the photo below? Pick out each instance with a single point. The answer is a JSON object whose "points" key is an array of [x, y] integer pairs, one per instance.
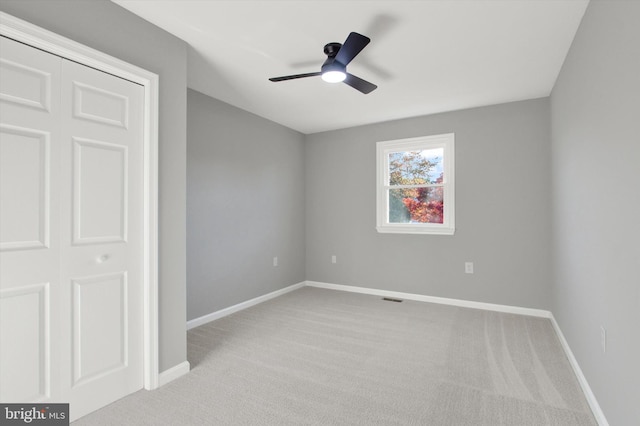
{"points": [[351, 47], [292, 77], [359, 84]]}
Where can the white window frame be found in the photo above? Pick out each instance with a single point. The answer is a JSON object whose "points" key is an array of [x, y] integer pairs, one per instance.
{"points": [[383, 149]]}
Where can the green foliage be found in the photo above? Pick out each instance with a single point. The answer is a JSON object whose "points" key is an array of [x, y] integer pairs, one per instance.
{"points": [[410, 168]]}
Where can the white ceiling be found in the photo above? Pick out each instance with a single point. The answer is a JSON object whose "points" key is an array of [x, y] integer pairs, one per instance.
{"points": [[425, 56]]}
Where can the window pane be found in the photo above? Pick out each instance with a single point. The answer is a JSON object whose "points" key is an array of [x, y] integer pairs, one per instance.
{"points": [[416, 205], [416, 167]]}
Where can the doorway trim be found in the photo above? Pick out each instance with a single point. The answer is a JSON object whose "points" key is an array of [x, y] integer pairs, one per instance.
{"points": [[37, 37]]}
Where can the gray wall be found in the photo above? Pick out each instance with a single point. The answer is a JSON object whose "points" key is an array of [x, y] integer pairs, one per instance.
{"points": [[502, 209], [245, 205], [111, 29], [595, 107]]}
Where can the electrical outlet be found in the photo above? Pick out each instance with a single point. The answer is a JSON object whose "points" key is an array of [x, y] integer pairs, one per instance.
{"points": [[334, 259], [603, 339], [275, 261], [468, 267]]}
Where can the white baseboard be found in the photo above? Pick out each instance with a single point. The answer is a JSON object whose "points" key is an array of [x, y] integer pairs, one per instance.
{"points": [[433, 299], [173, 373], [240, 306], [586, 389]]}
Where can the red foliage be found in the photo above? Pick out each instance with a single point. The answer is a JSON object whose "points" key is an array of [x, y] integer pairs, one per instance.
{"points": [[424, 211], [425, 207]]}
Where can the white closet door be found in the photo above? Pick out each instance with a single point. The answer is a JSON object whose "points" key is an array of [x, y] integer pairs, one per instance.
{"points": [[92, 293], [101, 240], [29, 223]]}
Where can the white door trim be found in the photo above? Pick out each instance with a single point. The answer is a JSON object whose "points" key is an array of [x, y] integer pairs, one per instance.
{"points": [[40, 38]]}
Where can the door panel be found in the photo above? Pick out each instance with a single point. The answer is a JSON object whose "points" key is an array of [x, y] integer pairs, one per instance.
{"points": [[100, 192], [24, 188], [25, 85], [25, 335], [100, 325], [101, 106]]}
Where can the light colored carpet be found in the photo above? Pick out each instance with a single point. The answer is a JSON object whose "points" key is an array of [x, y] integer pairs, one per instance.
{"points": [[324, 357]]}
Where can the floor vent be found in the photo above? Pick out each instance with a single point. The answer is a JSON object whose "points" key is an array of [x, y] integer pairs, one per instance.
{"points": [[390, 299]]}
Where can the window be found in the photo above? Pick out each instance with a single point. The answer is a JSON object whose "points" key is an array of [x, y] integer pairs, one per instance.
{"points": [[415, 188]]}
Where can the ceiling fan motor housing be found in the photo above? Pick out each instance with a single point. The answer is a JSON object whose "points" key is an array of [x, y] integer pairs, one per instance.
{"points": [[330, 64], [331, 49]]}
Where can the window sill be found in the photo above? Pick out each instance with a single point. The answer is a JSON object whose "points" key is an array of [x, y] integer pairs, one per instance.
{"points": [[413, 229]]}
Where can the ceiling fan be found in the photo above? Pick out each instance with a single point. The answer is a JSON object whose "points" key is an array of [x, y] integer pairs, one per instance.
{"points": [[334, 69]]}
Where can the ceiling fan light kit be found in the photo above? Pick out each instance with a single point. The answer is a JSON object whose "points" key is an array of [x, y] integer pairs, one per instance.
{"points": [[333, 76], [334, 69]]}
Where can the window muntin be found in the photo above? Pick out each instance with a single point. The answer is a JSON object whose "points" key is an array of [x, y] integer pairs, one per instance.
{"points": [[415, 185]]}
